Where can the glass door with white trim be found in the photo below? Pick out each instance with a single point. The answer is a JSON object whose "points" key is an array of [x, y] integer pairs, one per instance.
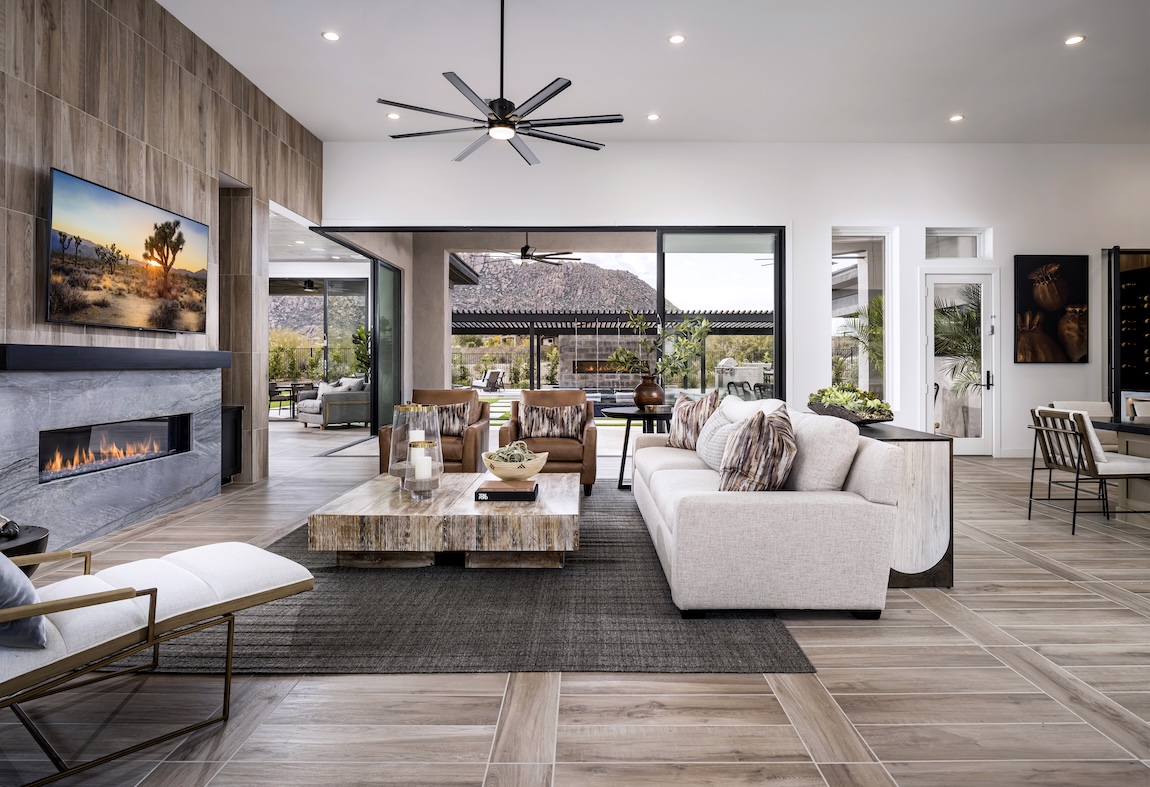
{"points": [[958, 360]]}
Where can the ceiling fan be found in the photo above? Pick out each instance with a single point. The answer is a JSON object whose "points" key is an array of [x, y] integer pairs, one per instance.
{"points": [[504, 120], [527, 253]]}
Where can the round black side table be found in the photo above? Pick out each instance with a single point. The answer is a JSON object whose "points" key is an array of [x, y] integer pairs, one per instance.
{"points": [[651, 422], [31, 541]]}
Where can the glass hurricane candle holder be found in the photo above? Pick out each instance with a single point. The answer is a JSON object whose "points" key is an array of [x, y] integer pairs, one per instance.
{"points": [[424, 468], [411, 422]]}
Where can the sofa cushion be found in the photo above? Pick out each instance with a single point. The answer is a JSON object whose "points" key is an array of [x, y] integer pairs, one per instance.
{"points": [[826, 450], [312, 406], [454, 418], [352, 383], [688, 418], [16, 590], [659, 458], [759, 454], [669, 487], [559, 449], [326, 388], [563, 421], [452, 448]]}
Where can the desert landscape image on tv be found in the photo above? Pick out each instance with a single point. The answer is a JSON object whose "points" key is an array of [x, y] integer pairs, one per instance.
{"points": [[117, 261]]}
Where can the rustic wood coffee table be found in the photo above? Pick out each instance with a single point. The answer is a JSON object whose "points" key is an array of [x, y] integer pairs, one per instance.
{"points": [[378, 525]]}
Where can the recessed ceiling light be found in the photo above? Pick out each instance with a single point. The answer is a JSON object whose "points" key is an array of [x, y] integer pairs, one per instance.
{"points": [[300, 242], [330, 36], [677, 39], [393, 115], [652, 116], [335, 256], [1075, 40], [316, 248], [956, 118]]}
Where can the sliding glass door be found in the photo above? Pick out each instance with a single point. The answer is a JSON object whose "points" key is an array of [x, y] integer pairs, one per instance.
{"points": [[732, 277], [387, 341]]}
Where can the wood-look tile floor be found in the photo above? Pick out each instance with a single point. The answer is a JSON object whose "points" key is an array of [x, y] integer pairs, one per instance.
{"points": [[1033, 669]]}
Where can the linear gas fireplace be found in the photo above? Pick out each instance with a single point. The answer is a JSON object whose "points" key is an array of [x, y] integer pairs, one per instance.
{"points": [[589, 366], [88, 449]]}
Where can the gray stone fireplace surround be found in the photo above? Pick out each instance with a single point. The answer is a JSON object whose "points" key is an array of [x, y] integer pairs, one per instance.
{"points": [[80, 507]]}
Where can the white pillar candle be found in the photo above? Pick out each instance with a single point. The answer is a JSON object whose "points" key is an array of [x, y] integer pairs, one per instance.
{"points": [[422, 467], [417, 453], [415, 434]]}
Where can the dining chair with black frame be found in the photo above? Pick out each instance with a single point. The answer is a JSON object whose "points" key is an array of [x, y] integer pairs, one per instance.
{"points": [[1068, 443]]}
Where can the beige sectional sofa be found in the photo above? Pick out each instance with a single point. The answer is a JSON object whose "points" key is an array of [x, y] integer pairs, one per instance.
{"points": [[824, 542]]}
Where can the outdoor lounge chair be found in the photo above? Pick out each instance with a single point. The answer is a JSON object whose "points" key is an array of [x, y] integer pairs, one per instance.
{"points": [[492, 381], [93, 621]]}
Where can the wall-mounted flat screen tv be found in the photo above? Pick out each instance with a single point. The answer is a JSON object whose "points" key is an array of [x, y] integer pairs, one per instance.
{"points": [[115, 261]]}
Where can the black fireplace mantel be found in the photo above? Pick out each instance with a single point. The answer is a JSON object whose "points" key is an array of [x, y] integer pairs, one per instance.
{"points": [[66, 358]]}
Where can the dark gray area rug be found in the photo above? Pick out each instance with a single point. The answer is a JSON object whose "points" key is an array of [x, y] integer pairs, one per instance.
{"points": [[608, 610]]}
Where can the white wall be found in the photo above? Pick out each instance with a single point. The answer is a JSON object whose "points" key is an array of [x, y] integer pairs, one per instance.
{"points": [[1039, 199]]}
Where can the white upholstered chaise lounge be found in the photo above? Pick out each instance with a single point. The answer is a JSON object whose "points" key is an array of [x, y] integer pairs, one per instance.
{"points": [[94, 620]]}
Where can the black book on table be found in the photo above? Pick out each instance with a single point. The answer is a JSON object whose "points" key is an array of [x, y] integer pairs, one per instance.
{"points": [[500, 491]]}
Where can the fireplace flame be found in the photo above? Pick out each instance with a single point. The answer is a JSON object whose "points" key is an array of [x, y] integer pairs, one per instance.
{"points": [[83, 458]]}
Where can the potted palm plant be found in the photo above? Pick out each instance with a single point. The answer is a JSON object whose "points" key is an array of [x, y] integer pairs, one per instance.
{"points": [[682, 346]]}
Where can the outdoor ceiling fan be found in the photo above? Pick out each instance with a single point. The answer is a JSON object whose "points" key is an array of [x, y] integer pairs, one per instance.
{"points": [[527, 253], [504, 120]]}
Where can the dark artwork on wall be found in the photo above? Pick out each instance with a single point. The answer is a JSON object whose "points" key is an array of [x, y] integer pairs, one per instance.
{"points": [[1051, 293]]}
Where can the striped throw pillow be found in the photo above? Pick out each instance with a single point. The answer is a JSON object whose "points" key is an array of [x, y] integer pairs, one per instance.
{"points": [[688, 418], [453, 418], [759, 454], [565, 421]]}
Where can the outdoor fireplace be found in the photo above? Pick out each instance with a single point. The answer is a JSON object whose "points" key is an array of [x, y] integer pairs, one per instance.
{"points": [[589, 366], [88, 449]]}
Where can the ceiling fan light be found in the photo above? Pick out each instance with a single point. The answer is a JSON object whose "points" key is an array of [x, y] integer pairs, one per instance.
{"points": [[501, 132]]}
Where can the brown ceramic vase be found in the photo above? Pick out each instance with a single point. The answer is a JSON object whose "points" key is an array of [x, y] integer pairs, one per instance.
{"points": [[648, 392]]}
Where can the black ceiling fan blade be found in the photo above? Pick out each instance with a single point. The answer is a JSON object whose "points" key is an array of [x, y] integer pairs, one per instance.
{"points": [[582, 143], [433, 133], [585, 120], [474, 146], [522, 149], [544, 95], [429, 111], [553, 254], [467, 92]]}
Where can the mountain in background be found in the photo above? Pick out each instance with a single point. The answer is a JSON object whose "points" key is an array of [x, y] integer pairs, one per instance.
{"points": [[506, 285]]}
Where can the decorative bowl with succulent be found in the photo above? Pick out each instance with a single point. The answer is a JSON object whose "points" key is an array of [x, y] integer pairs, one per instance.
{"points": [[848, 402], [514, 461]]}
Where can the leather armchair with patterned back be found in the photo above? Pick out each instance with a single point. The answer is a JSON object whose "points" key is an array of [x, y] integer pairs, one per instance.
{"points": [[565, 454], [462, 454]]}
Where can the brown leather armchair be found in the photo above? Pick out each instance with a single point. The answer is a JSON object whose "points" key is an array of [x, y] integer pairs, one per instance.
{"points": [[565, 454], [460, 454]]}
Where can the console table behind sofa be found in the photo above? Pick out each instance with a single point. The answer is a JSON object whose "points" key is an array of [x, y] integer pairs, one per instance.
{"points": [[924, 534]]}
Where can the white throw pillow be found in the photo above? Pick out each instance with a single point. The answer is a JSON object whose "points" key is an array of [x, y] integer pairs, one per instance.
{"points": [[351, 383], [732, 413], [326, 388]]}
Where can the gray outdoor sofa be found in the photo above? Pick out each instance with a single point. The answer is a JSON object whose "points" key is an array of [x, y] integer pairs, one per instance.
{"points": [[334, 407]]}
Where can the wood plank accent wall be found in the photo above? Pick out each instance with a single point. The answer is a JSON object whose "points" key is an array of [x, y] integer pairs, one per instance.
{"points": [[120, 92]]}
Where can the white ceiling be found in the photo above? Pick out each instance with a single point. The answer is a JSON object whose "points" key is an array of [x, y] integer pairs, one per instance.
{"points": [[750, 71]]}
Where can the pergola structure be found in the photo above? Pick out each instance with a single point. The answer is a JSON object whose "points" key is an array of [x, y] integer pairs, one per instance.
{"points": [[534, 324]]}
